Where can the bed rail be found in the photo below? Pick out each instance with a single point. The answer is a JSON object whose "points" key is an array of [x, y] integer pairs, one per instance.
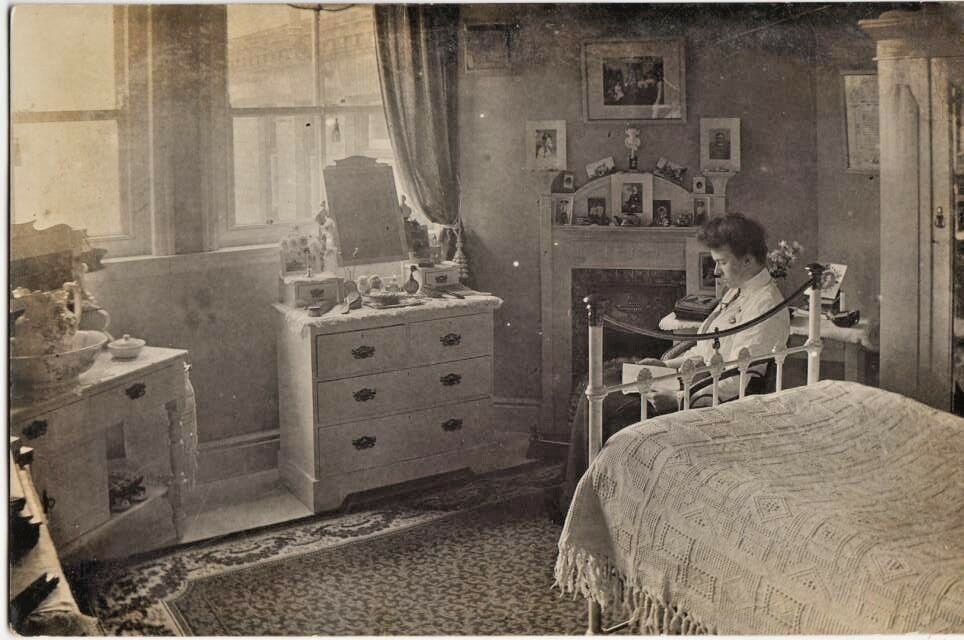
{"points": [[596, 391]]}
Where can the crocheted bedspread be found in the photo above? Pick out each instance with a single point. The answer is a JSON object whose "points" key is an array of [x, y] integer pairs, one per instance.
{"points": [[829, 509]]}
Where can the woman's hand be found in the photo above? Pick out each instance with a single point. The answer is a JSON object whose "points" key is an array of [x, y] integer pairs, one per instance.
{"points": [[651, 362]]}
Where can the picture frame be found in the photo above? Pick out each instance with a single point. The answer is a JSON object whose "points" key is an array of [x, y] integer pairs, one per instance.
{"points": [[632, 198], [562, 210], [640, 80], [487, 47], [699, 269], [662, 213], [600, 168], [720, 145], [702, 209], [545, 145], [861, 121], [699, 184]]}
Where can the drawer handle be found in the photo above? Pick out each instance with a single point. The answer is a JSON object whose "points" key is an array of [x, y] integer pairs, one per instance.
{"points": [[364, 395], [35, 429], [362, 352], [364, 442], [452, 424], [136, 390], [450, 379], [451, 339]]}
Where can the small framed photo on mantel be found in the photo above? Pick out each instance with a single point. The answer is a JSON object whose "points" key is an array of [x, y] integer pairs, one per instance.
{"points": [[720, 145]]}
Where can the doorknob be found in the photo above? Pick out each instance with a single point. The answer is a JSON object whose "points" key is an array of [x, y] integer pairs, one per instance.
{"points": [[939, 218]]}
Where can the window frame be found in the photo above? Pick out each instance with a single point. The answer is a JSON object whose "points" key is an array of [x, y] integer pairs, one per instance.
{"points": [[232, 234], [131, 113]]}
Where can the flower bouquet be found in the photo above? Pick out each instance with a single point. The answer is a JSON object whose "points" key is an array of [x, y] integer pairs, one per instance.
{"points": [[780, 259]]}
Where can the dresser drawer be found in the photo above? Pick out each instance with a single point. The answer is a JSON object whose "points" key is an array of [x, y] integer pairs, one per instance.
{"points": [[353, 398], [383, 441], [451, 338], [58, 429], [404, 390], [451, 381], [338, 355], [136, 396]]}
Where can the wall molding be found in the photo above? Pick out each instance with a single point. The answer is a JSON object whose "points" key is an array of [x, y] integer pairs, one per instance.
{"points": [[242, 455]]}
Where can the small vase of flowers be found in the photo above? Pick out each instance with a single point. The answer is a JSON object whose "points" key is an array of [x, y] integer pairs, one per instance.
{"points": [[780, 259]]}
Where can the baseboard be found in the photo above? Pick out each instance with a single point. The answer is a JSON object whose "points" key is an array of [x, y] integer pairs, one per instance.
{"points": [[519, 415], [547, 449], [240, 456]]}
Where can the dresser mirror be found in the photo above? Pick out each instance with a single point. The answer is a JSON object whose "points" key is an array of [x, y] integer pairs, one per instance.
{"points": [[362, 200]]}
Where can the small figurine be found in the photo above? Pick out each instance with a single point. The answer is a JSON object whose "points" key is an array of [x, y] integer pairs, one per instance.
{"points": [[632, 143], [328, 238]]}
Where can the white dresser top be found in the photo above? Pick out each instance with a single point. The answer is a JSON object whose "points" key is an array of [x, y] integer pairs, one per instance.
{"points": [[105, 373], [335, 321]]}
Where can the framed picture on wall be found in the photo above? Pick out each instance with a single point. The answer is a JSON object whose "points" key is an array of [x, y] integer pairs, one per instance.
{"points": [[640, 80], [700, 269], [861, 121], [545, 145], [487, 47], [720, 144]]}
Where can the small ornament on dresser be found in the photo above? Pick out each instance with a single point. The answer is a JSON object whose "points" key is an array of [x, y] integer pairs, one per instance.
{"points": [[670, 170]]}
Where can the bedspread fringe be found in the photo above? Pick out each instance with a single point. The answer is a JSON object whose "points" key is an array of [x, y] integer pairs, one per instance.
{"points": [[649, 613]]}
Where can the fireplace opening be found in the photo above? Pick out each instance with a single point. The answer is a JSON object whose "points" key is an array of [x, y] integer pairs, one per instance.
{"points": [[637, 296]]}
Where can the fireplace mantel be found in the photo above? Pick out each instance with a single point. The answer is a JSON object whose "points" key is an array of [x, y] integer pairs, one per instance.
{"points": [[564, 248]]}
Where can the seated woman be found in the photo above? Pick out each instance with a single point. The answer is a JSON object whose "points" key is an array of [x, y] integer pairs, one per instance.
{"points": [[738, 246]]}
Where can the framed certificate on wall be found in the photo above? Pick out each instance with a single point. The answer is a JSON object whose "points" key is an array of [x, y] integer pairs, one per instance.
{"points": [[861, 121]]}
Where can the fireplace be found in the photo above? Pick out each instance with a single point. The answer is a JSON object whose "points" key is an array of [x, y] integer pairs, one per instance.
{"points": [[636, 296], [641, 269]]}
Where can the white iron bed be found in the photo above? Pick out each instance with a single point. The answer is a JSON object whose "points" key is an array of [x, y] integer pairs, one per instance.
{"points": [[832, 508]]}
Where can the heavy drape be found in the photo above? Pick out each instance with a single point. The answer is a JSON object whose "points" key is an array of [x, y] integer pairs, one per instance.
{"points": [[416, 47]]}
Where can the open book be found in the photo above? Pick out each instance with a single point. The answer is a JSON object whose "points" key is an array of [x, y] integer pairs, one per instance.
{"points": [[630, 371]]}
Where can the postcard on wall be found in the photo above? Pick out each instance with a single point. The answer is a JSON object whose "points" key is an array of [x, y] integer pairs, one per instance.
{"points": [[862, 121]]}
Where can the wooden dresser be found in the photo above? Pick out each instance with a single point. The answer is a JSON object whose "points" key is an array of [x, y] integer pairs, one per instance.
{"points": [[125, 415], [377, 397]]}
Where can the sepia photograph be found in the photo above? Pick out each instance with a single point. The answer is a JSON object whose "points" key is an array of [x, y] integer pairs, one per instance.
{"points": [[316, 328], [641, 80]]}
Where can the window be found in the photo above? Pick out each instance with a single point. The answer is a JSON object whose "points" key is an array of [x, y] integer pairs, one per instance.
{"points": [[303, 92], [76, 105]]}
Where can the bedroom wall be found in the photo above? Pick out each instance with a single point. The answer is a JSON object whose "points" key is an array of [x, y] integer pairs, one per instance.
{"points": [[733, 69], [848, 203]]}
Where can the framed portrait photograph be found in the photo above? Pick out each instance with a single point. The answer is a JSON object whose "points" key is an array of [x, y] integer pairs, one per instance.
{"points": [[487, 47], [561, 210], [862, 121], [701, 209], [700, 269], [720, 144], [699, 184], [632, 198], [545, 145], [642, 80]]}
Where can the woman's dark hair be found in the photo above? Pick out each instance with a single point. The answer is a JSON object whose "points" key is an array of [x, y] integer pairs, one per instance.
{"points": [[741, 235]]}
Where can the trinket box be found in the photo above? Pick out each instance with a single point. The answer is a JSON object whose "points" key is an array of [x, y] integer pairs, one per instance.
{"points": [[302, 291], [442, 274]]}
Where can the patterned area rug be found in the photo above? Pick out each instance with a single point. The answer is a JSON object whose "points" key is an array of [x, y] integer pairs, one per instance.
{"points": [[473, 559]]}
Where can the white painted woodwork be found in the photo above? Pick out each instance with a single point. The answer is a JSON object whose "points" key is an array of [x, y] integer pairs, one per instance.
{"points": [[920, 55], [334, 442], [131, 408]]}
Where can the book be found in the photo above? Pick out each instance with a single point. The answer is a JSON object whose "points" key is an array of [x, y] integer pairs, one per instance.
{"points": [[630, 371]]}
